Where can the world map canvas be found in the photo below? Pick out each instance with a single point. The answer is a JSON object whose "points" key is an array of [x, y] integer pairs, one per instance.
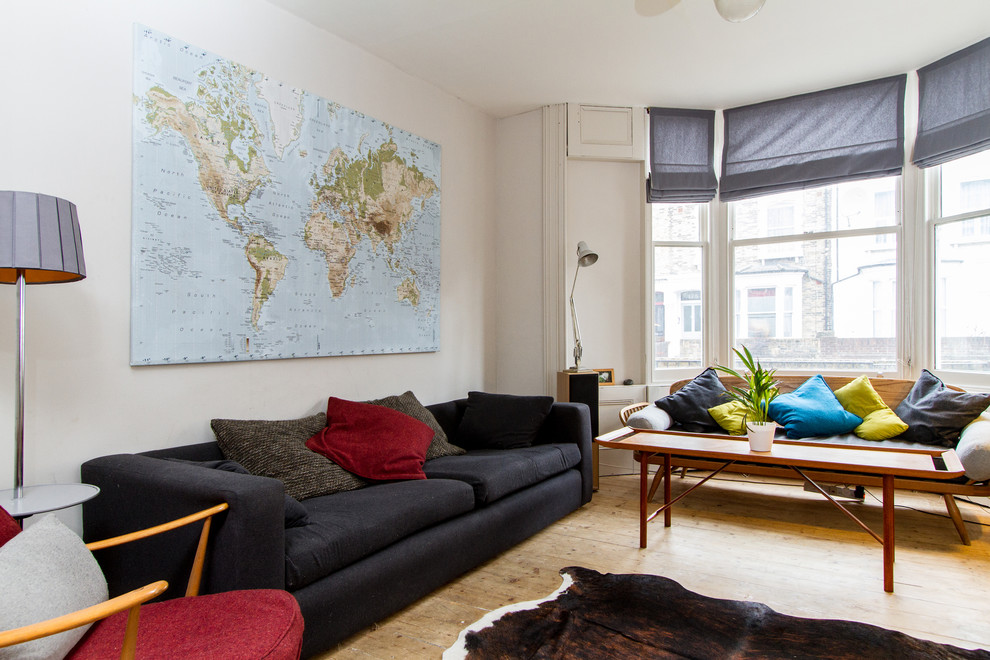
{"points": [[271, 223]]}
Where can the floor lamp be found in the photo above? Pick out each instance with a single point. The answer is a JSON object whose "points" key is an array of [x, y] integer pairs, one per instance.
{"points": [[585, 257], [40, 243]]}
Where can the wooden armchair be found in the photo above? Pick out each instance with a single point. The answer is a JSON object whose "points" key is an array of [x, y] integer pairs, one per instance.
{"points": [[252, 623]]}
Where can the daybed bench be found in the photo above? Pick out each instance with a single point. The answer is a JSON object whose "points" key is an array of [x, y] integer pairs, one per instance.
{"points": [[351, 558], [972, 446]]}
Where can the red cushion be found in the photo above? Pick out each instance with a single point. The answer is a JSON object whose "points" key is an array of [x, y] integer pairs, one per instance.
{"points": [[8, 526], [256, 623], [373, 442]]}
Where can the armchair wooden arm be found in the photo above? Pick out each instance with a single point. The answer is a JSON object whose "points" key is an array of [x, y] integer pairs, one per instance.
{"points": [[132, 600]]}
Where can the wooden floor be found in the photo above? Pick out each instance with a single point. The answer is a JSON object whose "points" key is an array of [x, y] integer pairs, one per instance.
{"points": [[732, 538]]}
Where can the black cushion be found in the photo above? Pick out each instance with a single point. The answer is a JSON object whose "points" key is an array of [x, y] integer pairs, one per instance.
{"points": [[501, 421], [688, 406], [295, 512], [352, 525], [495, 473], [935, 415]]}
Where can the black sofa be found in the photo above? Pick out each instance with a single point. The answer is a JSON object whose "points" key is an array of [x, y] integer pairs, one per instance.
{"points": [[387, 545]]}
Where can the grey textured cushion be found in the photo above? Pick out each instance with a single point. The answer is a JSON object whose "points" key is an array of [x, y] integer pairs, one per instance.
{"points": [[651, 418], [408, 404], [974, 448], [46, 571], [277, 449]]}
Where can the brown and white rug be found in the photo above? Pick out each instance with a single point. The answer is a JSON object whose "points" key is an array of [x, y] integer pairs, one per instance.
{"points": [[594, 616]]}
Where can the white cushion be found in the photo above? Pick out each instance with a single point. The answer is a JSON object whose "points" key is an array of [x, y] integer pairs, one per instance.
{"points": [[46, 571], [651, 418], [974, 448]]}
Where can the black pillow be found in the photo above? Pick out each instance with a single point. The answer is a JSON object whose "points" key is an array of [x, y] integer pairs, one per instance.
{"points": [[501, 421], [935, 415], [295, 513], [688, 406]]}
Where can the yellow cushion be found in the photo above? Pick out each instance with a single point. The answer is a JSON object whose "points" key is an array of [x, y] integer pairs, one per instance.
{"points": [[730, 416], [879, 421]]}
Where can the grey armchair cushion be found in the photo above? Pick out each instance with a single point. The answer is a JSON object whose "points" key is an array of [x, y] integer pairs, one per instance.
{"points": [[277, 449], [46, 571]]}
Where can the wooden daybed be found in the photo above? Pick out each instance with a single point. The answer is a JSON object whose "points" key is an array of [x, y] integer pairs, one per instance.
{"points": [[892, 391]]}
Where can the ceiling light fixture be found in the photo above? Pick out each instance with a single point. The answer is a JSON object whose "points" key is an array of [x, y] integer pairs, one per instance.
{"points": [[737, 11]]}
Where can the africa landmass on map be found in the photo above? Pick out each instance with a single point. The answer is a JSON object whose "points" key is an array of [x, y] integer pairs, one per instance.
{"points": [[230, 166]]}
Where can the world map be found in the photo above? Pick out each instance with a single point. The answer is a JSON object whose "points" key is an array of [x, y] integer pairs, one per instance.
{"points": [[269, 222]]}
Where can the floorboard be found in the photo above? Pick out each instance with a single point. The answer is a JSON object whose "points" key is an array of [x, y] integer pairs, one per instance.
{"points": [[739, 538]]}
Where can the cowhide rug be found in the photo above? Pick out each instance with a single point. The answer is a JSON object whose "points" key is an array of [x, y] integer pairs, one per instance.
{"points": [[594, 616]]}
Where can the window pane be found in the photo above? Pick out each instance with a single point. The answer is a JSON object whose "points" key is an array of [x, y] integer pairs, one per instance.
{"points": [[853, 205], [966, 184], [833, 306], [676, 222], [677, 326], [962, 320]]}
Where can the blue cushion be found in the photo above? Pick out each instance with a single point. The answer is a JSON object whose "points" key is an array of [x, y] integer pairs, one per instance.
{"points": [[495, 473], [811, 410]]}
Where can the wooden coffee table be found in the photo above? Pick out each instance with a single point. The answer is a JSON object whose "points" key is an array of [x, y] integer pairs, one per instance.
{"points": [[799, 456]]}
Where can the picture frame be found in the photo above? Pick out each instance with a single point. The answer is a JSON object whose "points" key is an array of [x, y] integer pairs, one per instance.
{"points": [[606, 376]]}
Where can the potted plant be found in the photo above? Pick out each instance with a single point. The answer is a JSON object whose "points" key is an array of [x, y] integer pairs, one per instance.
{"points": [[755, 397]]}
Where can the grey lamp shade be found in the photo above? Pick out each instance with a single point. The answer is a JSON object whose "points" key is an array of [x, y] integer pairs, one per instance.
{"points": [[39, 235]]}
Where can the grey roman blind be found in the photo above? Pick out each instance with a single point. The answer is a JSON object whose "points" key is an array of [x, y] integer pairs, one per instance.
{"points": [[954, 106], [852, 132], [682, 156]]}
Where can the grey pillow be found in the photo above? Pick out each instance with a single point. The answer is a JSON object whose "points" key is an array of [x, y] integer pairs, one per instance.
{"points": [[408, 404], [974, 448], [47, 571], [651, 418], [278, 449], [935, 415]]}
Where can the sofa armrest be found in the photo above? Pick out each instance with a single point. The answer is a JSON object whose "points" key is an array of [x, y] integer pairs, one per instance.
{"points": [[571, 422], [247, 544]]}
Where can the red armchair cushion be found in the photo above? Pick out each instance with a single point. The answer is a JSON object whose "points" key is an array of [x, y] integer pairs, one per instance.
{"points": [[8, 527], [373, 442], [256, 623]]}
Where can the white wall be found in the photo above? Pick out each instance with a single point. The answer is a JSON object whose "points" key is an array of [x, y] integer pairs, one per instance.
{"points": [[604, 209], [519, 250], [67, 131]]}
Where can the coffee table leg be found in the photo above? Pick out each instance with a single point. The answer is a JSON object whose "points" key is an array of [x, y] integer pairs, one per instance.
{"points": [[888, 533], [644, 474], [666, 490]]}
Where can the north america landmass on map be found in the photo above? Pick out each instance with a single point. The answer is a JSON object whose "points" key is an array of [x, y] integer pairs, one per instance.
{"points": [[235, 125]]}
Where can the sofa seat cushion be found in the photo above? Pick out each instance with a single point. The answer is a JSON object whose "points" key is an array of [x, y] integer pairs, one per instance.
{"points": [[495, 473], [345, 527]]}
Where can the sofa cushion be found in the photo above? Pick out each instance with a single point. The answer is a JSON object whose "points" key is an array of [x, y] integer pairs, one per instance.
{"points": [[295, 512], [408, 404], [812, 410], [348, 526], [373, 442], [731, 417], [935, 415], [651, 418], [501, 421], [277, 449], [689, 405], [879, 421], [8, 527], [46, 571], [495, 473], [974, 448]]}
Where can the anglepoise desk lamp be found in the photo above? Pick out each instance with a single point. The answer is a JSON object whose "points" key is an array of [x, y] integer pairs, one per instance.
{"points": [[585, 257]]}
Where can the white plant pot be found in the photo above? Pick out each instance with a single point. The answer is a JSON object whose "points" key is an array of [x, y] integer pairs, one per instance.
{"points": [[760, 435]]}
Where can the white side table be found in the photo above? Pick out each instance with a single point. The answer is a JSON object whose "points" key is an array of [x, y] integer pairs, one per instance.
{"points": [[44, 498]]}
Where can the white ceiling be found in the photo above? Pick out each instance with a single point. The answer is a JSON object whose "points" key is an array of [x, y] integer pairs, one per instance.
{"points": [[510, 56]]}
